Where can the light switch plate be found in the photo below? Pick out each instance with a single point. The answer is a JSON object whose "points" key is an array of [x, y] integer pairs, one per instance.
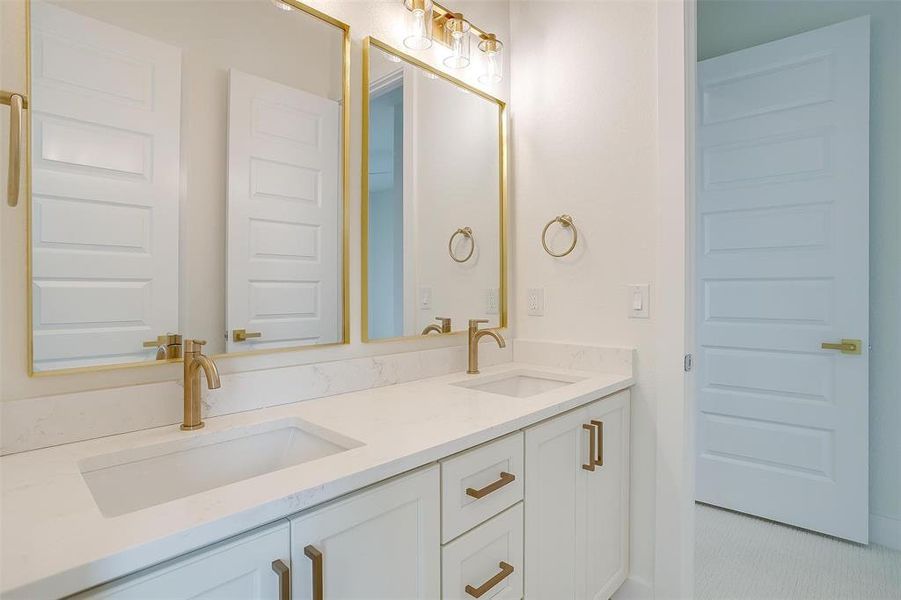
{"points": [[425, 298], [639, 300], [492, 301], [535, 302]]}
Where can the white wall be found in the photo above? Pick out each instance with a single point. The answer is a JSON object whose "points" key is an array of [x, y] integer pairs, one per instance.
{"points": [[725, 27], [382, 19], [584, 136]]}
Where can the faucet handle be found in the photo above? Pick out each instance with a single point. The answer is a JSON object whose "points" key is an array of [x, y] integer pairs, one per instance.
{"points": [[474, 323], [194, 345]]}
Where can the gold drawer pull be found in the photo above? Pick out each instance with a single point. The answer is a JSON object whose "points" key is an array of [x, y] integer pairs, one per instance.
{"points": [[242, 335], [491, 487], [284, 579], [600, 444], [591, 448], [846, 346], [316, 557], [506, 571]]}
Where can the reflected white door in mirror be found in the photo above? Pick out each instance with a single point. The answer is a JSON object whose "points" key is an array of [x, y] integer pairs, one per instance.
{"points": [[182, 182]]}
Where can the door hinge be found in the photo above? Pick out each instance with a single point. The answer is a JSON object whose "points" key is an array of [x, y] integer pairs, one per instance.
{"points": [[686, 363]]}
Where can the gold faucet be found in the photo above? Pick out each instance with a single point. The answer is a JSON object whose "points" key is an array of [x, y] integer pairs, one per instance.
{"points": [[195, 360], [475, 334], [167, 346], [445, 326]]}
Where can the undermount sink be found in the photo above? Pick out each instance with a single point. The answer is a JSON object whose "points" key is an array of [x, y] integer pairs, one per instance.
{"points": [[519, 384], [129, 480]]}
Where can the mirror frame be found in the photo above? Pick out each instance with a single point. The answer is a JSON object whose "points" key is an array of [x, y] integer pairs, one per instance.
{"points": [[368, 42], [345, 217]]}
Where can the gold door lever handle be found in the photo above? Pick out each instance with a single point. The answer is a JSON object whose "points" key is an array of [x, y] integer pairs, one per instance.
{"points": [[17, 103], [845, 346], [242, 335]]}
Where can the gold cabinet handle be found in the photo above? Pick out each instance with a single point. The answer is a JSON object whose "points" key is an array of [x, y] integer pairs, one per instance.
{"points": [[599, 430], [242, 335], [284, 579], [506, 571], [316, 557], [491, 487], [16, 104], [591, 447], [845, 346]]}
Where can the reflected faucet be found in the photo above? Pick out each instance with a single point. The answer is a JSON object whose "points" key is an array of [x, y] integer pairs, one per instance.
{"points": [[475, 334], [445, 326], [194, 361]]}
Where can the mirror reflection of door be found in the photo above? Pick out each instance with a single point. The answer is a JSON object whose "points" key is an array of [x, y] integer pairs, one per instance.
{"points": [[105, 159], [188, 179], [283, 268]]}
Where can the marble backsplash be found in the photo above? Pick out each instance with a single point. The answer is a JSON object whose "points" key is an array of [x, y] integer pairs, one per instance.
{"points": [[33, 423]]}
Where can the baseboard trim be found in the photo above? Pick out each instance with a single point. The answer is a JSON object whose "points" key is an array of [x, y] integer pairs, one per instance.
{"points": [[634, 588], [885, 531]]}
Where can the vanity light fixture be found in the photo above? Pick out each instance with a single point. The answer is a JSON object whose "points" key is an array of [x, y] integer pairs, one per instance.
{"points": [[457, 35], [429, 21], [419, 24], [493, 49]]}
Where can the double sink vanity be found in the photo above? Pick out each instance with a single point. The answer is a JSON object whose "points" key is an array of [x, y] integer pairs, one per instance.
{"points": [[507, 484], [181, 182]]}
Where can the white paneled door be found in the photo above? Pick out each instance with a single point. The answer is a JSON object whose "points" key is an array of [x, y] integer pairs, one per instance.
{"points": [[783, 259], [105, 158], [284, 212]]}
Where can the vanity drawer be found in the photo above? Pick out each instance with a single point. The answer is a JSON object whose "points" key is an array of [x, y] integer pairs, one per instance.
{"points": [[480, 483], [487, 561]]}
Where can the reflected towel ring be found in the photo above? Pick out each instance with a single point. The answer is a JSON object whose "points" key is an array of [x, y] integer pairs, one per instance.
{"points": [[565, 221], [465, 232]]}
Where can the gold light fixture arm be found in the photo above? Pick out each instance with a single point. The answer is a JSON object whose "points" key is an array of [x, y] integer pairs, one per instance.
{"points": [[17, 103]]}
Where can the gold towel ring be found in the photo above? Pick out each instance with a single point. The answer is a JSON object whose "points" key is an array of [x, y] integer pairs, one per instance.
{"points": [[465, 232], [566, 221]]}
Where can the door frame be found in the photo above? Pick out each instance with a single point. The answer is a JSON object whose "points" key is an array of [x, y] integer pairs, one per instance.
{"points": [[676, 389]]}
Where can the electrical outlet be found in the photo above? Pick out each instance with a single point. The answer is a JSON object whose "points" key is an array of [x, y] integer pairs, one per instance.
{"points": [[535, 302], [492, 301], [425, 298], [639, 298]]}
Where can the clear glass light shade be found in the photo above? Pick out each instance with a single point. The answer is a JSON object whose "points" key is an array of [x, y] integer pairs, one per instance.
{"points": [[419, 24], [493, 52], [457, 32]]}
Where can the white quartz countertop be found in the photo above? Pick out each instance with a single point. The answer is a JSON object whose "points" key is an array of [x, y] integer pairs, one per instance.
{"points": [[55, 541]]}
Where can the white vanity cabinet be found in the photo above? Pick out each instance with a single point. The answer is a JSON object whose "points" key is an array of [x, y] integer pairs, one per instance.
{"points": [[381, 543], [241, 567], [541, 514], [577, 502]]}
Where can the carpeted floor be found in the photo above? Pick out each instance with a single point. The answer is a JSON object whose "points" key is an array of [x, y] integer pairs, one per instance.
{"points": [[741, 557]]}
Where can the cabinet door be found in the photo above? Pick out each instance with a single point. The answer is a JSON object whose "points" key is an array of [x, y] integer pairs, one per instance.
{"points": [[555, 507], [607, 490], [237, 569], [383, 542]]}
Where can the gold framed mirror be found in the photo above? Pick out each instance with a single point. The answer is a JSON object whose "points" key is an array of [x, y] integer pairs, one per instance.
{"points": [[187, 176], [434, 196]]}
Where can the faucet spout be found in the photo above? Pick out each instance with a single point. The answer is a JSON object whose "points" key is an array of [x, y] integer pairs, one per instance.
{"points": [[475, 334], [210, 370], [194, 361]]}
